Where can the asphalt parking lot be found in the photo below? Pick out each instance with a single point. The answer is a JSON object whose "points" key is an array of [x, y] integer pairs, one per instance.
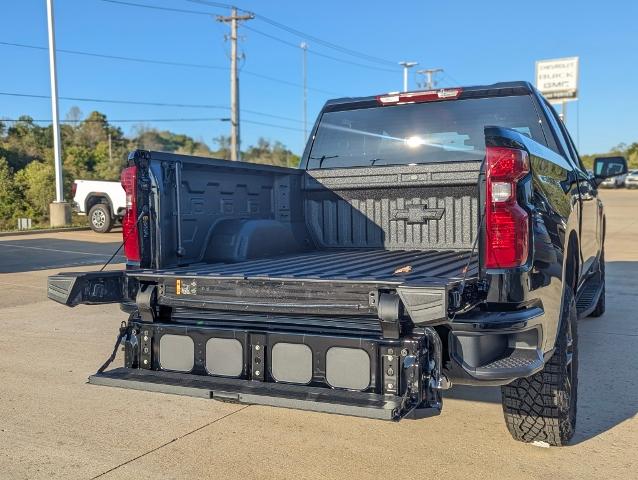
{"points": [[54, 425]]}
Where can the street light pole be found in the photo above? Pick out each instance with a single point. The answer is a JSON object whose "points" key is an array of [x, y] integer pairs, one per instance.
{"points": [[57, 149], [60, 212], [406, 66]]}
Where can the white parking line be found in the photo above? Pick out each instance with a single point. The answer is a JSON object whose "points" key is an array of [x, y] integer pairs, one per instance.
{"points": [[23, 286], [55, 250]]}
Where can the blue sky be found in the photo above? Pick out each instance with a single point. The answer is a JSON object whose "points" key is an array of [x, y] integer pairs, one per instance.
{"points": [[475, 42]]}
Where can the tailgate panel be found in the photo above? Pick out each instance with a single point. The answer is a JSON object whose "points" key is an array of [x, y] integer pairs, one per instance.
{"points": [[76, 288]]}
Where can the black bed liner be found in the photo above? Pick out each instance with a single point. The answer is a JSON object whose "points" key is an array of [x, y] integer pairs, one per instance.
{"points": [[355, 265]]}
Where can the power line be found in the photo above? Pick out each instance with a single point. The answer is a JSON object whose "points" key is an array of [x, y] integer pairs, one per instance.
{"points": [[155, 7], [153, 104], [163, 62], [303, 35], [116, 57], [450, 77], [319, 54], [291, 30], [255, 122], [141, 120], [107, 120], [272, 22]]}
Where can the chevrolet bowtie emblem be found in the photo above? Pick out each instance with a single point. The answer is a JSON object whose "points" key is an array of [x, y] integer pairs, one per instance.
{"points": [[418, 214]]}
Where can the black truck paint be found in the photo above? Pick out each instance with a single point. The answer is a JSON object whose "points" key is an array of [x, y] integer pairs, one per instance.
{"points": [[360, 289]]}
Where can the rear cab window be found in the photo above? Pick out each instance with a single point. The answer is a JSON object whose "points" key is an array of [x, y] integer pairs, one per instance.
{"points": [[418, 133]]}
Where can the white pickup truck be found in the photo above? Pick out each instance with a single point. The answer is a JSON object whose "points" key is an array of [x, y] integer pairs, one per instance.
{"points": [[103, 202]]}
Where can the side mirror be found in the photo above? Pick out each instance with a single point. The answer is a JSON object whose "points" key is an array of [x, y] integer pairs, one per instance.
{"points": [[607, 167]]}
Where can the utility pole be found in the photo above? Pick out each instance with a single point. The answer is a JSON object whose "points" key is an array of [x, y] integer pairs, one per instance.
{"points": [[60, 212], [429, 73], [110, 150], [235, 141], [304, 49], [405, 66]]}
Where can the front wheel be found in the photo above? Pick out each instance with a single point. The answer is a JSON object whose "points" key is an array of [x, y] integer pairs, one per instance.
{"points": [[100, 219], [542, 408]]}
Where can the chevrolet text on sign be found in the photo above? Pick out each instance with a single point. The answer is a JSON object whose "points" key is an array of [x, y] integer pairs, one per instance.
{"points": [[557, 79]]}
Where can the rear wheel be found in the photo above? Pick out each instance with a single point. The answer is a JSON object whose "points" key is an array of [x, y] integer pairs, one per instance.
{"points": [[542, 408], [100, 218]]}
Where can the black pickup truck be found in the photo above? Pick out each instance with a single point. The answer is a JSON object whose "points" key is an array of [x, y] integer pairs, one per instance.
{"points": [[430, 238]]}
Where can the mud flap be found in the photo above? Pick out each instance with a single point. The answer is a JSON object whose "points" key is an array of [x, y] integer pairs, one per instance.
{"points": [[87, 288]]}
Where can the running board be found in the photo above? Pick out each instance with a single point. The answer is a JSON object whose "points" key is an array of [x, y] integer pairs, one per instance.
{"points": [[588, 297], [358, 404]]}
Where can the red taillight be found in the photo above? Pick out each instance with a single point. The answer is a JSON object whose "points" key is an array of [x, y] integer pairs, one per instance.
{"points": [[418, 97], [506, 222], [130, 232], [74, 188]]}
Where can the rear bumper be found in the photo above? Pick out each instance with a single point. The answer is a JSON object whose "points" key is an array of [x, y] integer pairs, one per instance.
{"points": [[495, 348]]}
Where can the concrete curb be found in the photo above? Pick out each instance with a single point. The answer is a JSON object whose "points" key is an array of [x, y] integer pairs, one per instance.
{"points": [[44, 230]]}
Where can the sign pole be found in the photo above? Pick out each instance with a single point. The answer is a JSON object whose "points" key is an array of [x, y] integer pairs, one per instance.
{"points": [[564, 111]]}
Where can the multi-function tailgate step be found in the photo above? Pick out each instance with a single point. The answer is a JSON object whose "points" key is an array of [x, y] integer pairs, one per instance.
{"points": [[359, 404]]}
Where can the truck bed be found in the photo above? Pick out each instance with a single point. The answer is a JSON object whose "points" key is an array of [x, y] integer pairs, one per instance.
{"points": [[356, 265]]}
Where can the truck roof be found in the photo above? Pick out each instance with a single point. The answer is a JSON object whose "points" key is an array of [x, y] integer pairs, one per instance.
{"points": [[495, 89]]}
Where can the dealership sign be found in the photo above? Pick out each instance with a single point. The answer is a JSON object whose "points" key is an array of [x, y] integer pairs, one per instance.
{"points": [[557, 79]]}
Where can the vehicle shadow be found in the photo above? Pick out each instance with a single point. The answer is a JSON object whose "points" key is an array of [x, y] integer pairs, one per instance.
{"points": [[608, 354], [29, 254]]}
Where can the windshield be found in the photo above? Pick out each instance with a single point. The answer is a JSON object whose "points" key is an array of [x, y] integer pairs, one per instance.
{"points": [[445, 131]]}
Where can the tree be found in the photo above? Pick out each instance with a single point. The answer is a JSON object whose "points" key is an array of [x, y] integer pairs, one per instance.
{"points": [[24, 142], [74, 114], [223, 147], [271, 154], [37, 182], [9, 196]]}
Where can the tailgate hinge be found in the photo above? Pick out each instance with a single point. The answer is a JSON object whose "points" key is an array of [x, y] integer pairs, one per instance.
{"points": [[146, 301], [389, 310]]}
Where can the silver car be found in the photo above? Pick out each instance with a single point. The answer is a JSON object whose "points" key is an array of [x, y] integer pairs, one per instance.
{"points": [[631, 181]]}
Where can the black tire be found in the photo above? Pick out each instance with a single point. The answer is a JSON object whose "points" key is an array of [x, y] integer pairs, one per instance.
{"points": [[542, 408], [100, 219], [600, 306]]}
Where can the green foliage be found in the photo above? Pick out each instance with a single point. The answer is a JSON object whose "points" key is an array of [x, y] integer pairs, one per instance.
{"points": [[151, 139], [36, 181], [92, 149], [24, 141], [9, 196], [271, 154]]}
